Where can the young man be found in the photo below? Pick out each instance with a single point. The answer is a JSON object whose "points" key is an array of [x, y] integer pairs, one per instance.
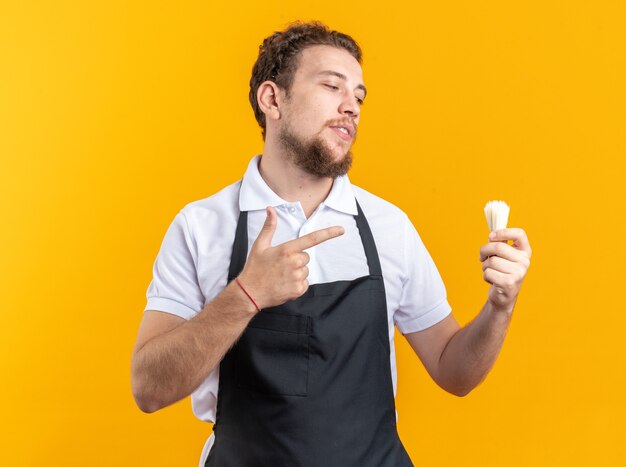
{"points": [[273, 302]]}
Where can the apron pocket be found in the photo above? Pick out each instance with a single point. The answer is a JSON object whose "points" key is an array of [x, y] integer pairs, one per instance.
{"points": [[272, 355]]}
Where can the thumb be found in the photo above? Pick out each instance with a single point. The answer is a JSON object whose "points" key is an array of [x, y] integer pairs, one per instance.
{"points": [[264, 240]]}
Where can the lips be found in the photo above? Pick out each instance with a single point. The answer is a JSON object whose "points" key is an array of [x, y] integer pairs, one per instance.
{"points": [[346, 132]]}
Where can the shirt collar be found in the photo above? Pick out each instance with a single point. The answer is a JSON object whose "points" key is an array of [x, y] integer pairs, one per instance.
{"points": [[256, 195]]}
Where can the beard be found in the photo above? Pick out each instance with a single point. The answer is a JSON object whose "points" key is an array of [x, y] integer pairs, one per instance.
{"points": [[313, 156]]}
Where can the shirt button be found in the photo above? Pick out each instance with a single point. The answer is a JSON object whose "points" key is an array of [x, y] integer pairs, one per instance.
{"points": [[292, 209]]}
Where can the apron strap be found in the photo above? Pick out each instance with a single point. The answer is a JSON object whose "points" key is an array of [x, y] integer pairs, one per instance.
{"points": [[368, 243], [240, 246]]}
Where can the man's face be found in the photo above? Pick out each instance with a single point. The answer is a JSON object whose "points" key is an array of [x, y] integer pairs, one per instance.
{"points": [[319, 118]]}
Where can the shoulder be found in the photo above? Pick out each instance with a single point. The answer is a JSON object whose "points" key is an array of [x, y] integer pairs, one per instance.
{"points": [[396, 237], [390, 225], [378, 210], [218, 209]]}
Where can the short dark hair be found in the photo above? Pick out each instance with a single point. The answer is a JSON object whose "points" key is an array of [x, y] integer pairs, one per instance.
{"points": [[278, 56]]}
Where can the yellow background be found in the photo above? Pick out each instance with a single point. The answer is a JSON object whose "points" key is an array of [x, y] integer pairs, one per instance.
{"points": [[114, 115]]}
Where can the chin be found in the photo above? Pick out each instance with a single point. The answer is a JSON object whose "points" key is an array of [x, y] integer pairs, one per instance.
{"points": [[342, 156], [340, 152]]}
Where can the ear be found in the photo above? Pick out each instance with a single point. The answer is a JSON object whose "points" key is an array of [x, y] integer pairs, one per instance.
{"points": [[269, 97]]}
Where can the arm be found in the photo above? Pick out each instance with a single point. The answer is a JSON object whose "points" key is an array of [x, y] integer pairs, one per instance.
{"points": [[458, 359], [173, 356]]}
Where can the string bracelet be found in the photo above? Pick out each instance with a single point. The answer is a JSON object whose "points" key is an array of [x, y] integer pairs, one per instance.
{"points": [[249, 296]]}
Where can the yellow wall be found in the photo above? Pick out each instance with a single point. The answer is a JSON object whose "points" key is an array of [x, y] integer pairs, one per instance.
{"points": [[115, 114]]}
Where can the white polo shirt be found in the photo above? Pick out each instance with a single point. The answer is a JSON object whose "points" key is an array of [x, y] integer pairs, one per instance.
{"points": [[191, 268]]}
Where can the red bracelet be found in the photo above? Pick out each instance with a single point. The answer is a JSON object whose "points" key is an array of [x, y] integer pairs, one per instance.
{"points": [[249, 296]]}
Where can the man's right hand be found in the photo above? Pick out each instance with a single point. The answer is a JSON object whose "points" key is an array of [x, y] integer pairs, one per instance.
{"points": [[275, 275]]}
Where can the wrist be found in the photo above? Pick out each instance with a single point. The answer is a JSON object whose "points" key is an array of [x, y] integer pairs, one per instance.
{"points": [[254, 289], [247, 293], [241, 301], [500, 309]]}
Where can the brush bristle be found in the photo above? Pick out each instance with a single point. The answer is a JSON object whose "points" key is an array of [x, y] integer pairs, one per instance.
{"points": [[497, 214]]}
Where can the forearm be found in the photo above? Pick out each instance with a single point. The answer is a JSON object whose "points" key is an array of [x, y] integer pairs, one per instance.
{"points": [[472, 351], [171, 366]]}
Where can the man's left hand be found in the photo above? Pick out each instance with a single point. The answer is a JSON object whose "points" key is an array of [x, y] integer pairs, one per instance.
{"points": [[505, 266]]}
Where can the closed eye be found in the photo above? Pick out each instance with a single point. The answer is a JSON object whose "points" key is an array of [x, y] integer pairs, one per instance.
{"points": [[335, 88]]}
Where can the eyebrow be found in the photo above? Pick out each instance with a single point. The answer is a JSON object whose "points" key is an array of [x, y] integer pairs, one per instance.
{"points": [[343, 77]]}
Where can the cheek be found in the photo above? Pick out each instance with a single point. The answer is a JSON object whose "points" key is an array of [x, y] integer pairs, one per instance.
{"points": [[310, 119], [310, 115], [312, 109]]}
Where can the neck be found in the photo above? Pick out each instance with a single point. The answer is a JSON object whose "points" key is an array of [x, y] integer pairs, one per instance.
{"points": [[291, 183]]}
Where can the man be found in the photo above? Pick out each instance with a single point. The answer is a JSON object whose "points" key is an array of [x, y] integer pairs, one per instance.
{"points": [[273, 302]]}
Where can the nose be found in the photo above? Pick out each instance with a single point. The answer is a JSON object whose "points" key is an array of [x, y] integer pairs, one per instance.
{"points": [[349, 106]]}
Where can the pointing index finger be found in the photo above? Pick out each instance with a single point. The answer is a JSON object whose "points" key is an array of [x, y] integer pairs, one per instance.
{"points": [[314, 238]]}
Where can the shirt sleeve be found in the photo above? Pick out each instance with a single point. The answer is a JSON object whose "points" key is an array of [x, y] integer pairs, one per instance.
{"points": [[174, 287], [423, 301]]}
